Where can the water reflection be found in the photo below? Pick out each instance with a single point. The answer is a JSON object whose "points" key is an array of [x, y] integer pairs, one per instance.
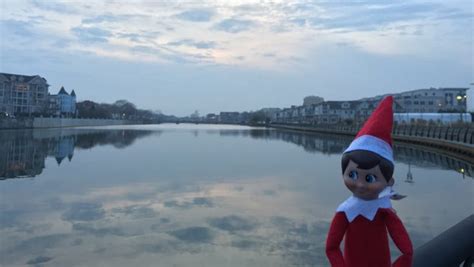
{"points": [[194, 197], [23, 153], [335, 144]]}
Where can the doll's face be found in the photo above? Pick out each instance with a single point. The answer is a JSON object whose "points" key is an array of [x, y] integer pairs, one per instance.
{"points": [[365, 184]]}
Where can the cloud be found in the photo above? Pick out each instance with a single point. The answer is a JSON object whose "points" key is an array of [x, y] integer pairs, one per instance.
{"points": [[10, 218], [160, 224], [203, 201], [176, 204], [298, 21], [233, 223], [37, 19], [84, 212], [39, 244], [16, 27], [61, 43], [137, 212], [455, 15], [103, 18], [77, 242], [39, 260], [198, 201], [195, 44], [91, 34], [234, 25], [164, 246], [98, 232], [57, 7], [196, 15], [195, 234], [269, 55], [162, 53], [370, 16], [135, 37], [247, 244], [110, 17]]}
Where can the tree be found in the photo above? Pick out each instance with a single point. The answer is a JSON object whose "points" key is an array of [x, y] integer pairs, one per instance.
{"points": [[258, 117]]}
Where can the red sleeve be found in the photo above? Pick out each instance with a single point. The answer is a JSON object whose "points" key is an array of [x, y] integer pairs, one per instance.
{"points": [[336, 233], [400, 237]]}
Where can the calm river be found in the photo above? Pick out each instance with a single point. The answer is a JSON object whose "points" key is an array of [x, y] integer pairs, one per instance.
{"points": [[197, 195]]}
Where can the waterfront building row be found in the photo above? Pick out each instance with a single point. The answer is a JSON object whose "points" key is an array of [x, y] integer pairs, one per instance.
{"points": [[430, 100], [29, 95]]}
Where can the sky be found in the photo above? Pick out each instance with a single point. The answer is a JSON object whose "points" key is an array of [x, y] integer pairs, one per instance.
{"points": [[224, 55]]}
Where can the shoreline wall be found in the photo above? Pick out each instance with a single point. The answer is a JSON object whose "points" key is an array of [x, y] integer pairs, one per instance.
{"points": [[34, 123]]}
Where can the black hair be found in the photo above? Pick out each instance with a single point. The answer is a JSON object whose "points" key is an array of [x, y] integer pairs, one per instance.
{"points": [[367, 160]]}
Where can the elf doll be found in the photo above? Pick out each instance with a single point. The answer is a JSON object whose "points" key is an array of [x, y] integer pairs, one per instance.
{"points": [[364, 218]]}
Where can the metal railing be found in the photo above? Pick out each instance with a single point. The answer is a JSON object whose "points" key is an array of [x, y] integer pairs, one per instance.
{"points": [[451, 248]]}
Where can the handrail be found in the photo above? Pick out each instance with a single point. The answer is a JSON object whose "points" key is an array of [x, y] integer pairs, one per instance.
{"points": [[449, 249]]}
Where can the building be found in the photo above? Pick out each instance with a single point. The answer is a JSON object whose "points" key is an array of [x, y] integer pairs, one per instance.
{"points": [[431, 100], [331, 112], [335, 111], [22, 94], [470, 99], [230, 117], [211, 117], [312, 100], [269, 112], [62, 104]]}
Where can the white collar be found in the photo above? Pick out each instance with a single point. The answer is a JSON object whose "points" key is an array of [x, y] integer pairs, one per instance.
{"points": [[354, 206]]}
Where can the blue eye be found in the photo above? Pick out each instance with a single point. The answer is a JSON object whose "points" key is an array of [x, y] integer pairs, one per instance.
{"points": [[353, 175], [370, 178]]}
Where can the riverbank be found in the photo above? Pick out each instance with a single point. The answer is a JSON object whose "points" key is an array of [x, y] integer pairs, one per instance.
{"points": [[455, 141], [34, 123]]}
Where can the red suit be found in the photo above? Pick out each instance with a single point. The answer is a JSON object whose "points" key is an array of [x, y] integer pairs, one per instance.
{"points": [[366, 242]]}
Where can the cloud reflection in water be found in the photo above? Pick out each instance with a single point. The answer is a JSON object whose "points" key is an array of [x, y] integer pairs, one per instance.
{"points": [[276, 212]]}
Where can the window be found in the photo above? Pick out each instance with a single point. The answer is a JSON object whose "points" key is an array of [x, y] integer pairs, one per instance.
{"points": [[430, 103], [422, 102], [415, 102]]}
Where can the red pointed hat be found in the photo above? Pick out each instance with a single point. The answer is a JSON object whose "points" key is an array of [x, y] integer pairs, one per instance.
{"points": [[376, 134]]}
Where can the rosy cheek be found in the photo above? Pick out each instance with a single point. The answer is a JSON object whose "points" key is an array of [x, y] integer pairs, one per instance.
{"points": [[349, 184], [376, 188]]}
